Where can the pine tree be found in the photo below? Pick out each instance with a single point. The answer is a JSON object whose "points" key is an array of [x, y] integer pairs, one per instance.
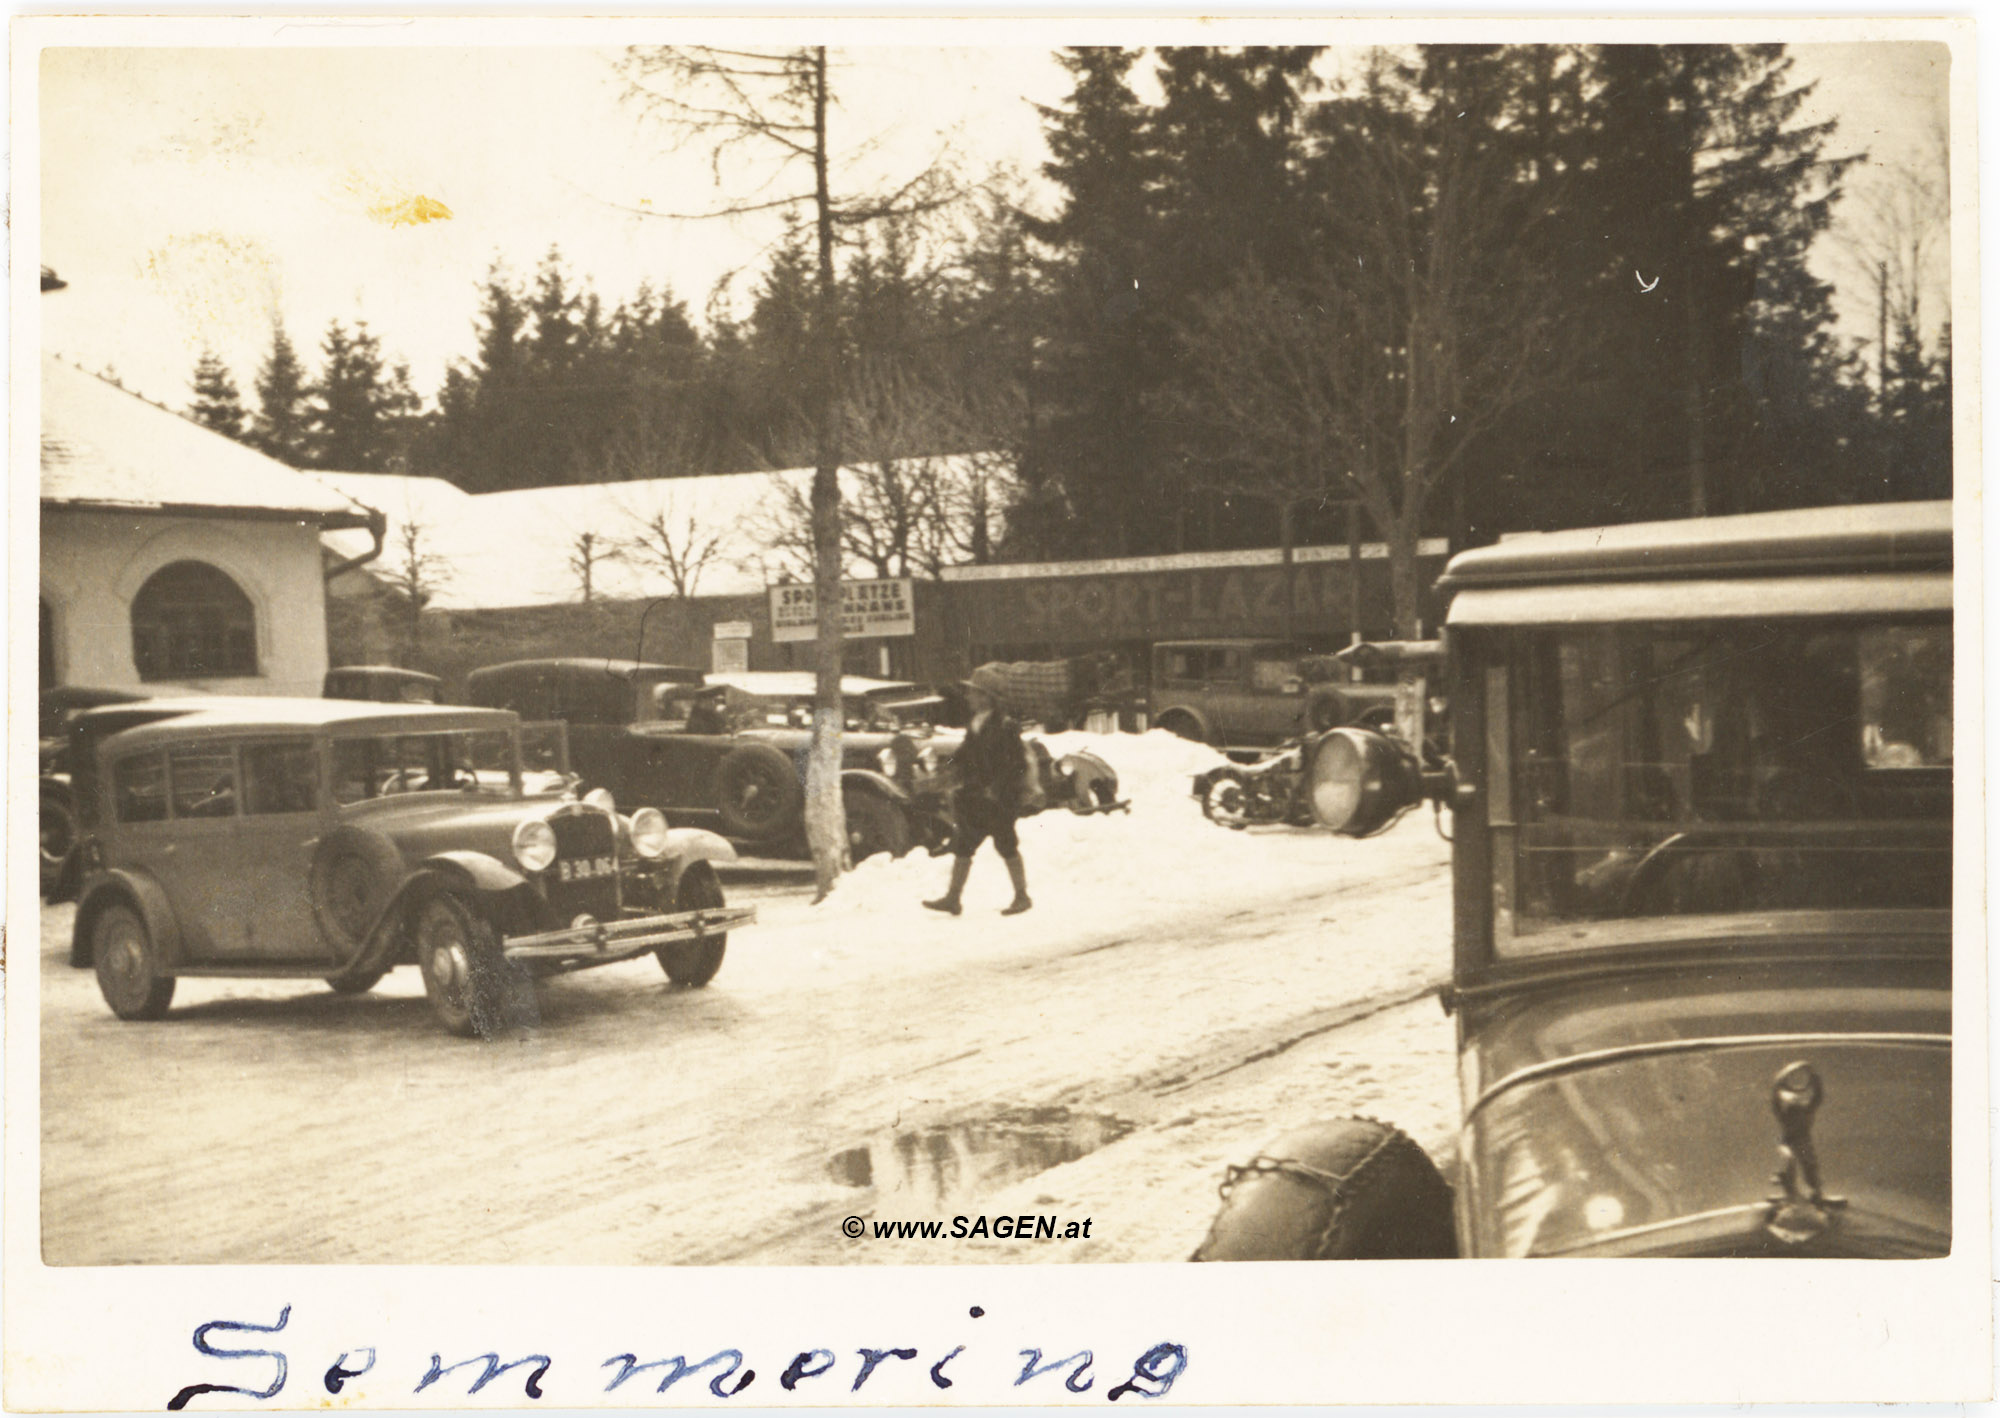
{"points": [[1091, 451], [279, 426], [217, 402], [349, 404]]}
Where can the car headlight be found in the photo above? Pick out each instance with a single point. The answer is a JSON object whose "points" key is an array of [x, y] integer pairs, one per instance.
{"points": [[534, 844], [927, 759], [649, 833], [1359, 781], [601, 799], [886, 761]]}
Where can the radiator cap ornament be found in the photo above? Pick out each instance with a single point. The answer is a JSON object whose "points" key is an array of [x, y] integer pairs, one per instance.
{"points": [[1801, 1210]]}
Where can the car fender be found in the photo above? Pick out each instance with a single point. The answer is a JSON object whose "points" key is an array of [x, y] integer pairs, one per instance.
{"points": [[696, 844], [685, 847], [1193, 711], [144, 895], [475, 869], [866, 780]]}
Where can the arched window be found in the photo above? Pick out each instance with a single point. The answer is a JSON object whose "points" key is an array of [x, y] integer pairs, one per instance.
{"points": [[190, 621]]}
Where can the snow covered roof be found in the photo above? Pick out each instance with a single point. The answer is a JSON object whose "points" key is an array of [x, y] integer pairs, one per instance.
{"points": [[514, 548], [103, 446]]}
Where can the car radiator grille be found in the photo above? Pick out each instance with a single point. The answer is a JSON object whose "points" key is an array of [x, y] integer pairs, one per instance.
{"points": [[583, 879]]}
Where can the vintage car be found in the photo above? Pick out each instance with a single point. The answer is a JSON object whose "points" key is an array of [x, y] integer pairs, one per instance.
{"points": [[57, 709], [334, 839], [1701, 796], [1246, 693], [385, 684], [662, 736]]}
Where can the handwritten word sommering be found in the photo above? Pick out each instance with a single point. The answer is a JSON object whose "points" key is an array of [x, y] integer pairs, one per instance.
{"points": [[727, 1370]]}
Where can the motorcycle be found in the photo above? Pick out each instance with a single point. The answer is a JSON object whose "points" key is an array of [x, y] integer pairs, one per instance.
{"points": [[1235, 796]]}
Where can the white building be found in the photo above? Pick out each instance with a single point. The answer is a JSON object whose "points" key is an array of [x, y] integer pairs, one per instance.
{"points": [[172, 557]]}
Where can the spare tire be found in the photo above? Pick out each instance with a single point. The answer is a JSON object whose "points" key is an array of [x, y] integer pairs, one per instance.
{"points": [[1326, 710], [757, 792], [353, 876], [1354, 1189]]}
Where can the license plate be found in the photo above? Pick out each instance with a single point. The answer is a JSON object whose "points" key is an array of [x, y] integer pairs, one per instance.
{"points": [[586, 868]]}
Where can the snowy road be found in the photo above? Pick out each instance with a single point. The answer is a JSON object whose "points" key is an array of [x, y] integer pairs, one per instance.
{"points": [[1179, 995]]}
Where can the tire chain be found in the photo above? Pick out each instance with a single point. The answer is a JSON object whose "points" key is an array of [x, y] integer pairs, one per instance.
{"points": [[1334, 1184]]}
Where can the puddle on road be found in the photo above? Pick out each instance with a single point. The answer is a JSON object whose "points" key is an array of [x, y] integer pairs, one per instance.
{"points": [[952, 1160]]}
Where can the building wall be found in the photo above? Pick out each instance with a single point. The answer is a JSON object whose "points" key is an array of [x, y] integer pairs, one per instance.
{"points": [[93, 564]]}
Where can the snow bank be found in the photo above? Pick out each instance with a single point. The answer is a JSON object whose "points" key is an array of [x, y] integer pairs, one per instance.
{"points": [[1111, 874]]}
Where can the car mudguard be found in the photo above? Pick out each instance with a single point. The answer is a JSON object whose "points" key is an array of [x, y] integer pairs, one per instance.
{"points": [[1200, 719], [697, 844], [868, 781], [144, 894], [478, 870], [685, 847]]}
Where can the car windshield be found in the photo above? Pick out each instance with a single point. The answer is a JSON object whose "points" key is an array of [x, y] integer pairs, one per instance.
{"points": [[1734, 779], [464, 760]]}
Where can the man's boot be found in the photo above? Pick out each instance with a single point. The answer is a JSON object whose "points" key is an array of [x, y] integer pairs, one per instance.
{"points": [[1017, 872], [961, 868]]}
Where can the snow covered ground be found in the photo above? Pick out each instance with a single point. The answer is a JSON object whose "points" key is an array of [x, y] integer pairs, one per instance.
{"points": [[1116, 871], [1203, 988]]}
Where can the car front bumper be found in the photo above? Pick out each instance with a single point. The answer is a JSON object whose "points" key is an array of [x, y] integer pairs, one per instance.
{"points": [[602, 942]]}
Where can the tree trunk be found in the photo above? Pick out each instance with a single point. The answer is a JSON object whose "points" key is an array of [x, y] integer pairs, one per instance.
{"points": [[1405, 584], [826, 822]]}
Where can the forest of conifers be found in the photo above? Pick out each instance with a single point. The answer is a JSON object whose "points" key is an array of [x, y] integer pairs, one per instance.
{"points": [[1468, 289]]}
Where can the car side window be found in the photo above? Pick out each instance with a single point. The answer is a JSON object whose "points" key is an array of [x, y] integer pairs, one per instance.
{"points": [[204, 781], [139, 788], [280, 777]]}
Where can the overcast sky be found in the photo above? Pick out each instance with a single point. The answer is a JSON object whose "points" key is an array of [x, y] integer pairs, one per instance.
{"points": [[190, 194]]}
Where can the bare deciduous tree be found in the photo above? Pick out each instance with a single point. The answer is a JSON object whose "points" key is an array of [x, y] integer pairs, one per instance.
{"points": [[1371, 376], [1897, 243], [674, 543], [588, 550], [415, 576], [770, 106]]}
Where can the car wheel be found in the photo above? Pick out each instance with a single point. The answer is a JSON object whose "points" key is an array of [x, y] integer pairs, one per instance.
{"points": [[874, 825], [128, 964], [1182, 726], [58, 834], [353, 876], [757, 791], [465, 976], [693, 963], [1354, 1189], [1226, 800]]}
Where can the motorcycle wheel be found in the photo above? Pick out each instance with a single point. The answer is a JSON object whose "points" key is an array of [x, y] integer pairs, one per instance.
{"points": [[1227, 800]]}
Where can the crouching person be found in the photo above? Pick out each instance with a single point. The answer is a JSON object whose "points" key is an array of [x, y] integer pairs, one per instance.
{"points": [[990, 767]]}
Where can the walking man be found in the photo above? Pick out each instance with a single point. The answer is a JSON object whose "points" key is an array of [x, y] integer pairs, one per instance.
{"points": [[990, 768]]}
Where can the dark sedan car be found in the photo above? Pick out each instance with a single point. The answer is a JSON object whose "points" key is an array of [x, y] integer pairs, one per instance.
{"points": [[58, 709], [662, 736], [1701, 792]]}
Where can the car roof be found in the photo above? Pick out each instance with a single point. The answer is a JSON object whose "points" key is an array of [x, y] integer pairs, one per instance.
{"points": [[237, 716], [1232, 642], [1877, 537], [802, 683], [589, 664], [386, 672]]}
